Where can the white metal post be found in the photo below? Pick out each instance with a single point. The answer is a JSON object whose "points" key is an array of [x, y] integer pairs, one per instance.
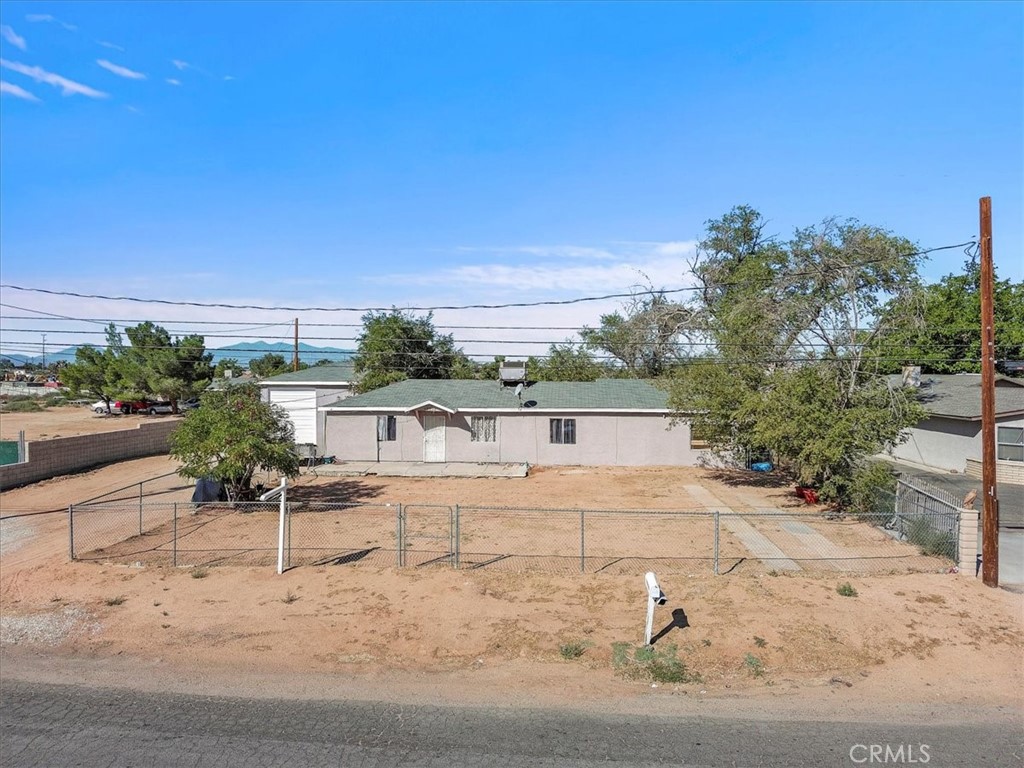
{"points": [[650, 621], [282, 491]]}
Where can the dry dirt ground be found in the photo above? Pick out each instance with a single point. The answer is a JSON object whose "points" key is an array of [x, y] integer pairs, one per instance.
{"points": [[938, 644], [66, 421]]}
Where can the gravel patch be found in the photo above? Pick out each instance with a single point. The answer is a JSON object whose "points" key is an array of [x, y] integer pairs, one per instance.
{"points": [[14, 533], [47, 628]]}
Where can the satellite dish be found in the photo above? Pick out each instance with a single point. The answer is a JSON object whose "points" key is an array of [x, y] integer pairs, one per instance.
{"points": [[519, 391]]}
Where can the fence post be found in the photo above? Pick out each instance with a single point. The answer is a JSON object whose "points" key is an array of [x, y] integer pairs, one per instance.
{"points": [[140, 509], [458, 536], [400, 535], [288, 513], [71, 531], [717, 523], [174, 538], [583, 544]]}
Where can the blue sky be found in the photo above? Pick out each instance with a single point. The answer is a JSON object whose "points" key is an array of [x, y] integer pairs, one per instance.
{"points": [[420, 154]]}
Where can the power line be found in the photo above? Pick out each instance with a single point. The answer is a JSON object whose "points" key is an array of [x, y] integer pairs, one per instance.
{"points": [[452, 307]]}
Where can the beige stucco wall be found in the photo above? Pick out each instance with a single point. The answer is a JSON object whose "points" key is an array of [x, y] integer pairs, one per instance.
{"points": [[601, 439], [946, 443]]}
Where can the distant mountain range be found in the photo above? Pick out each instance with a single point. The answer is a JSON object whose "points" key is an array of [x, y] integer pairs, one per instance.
{"points": [[243, 352]]}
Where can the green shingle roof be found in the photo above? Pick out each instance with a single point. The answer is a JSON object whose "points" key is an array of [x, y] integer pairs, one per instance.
{"points": [[336, 373], [467, 395]]}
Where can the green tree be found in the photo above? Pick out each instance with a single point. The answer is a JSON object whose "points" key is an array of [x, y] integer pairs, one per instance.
{"points": [[947, 338], [564, 362], [94, 371], [791, 325], [156, 364], [646, 339], [398, 345], [232, 435], [227, 364], [270, 364]]}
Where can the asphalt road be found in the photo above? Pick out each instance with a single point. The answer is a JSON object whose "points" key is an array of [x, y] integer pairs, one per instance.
{"points": [[46, 725]]}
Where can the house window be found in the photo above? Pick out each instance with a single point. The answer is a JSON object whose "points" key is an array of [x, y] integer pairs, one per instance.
{"points": [[1010, 443], [563, 431], [482, 429], [387, 428]]}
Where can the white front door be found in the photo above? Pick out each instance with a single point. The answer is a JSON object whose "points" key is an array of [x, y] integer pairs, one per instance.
{"points": [[433, 436]]}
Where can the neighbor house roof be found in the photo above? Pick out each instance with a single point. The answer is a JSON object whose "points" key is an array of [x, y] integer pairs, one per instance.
{"points": [[958, 396], [317, 375], [457, 395]]}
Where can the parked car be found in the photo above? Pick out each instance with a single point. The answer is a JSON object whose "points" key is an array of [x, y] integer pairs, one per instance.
{"points": [[154, 408], [101, 407], [188, 405], [131, 406]]}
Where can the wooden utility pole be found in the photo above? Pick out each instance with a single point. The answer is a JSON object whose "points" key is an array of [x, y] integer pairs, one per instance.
{"points": [[990, 509], [295, 356]]}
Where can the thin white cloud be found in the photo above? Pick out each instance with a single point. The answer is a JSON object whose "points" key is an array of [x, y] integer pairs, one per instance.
{"points": [[40, 75], [615, 269], [172, 81], [47, 18], [229, 77], [112, 46], [120, 71], [130, 108], [180, 65], [13, 37], [17, 91]]}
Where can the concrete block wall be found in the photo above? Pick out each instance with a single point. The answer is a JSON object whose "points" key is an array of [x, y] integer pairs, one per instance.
{"points": [[968, 544], [65, 455], [1006, 471]]}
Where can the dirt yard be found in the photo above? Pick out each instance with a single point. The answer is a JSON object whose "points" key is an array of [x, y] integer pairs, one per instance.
{"points": [[941, 641], [66, 421]]}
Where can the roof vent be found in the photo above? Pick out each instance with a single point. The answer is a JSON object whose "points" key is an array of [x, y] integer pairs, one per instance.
{"points": [[512, 372], [912, 376]]}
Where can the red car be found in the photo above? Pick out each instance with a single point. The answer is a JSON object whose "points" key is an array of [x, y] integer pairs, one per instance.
{"points": [[131, 406]]}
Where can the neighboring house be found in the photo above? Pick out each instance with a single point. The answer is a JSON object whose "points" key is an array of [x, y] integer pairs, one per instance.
{"points": [[950, 438], [616, 422], [303, 394]]}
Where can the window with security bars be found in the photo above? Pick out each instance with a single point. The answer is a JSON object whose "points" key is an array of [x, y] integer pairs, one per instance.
{"points": [[483, 429], [387, 428], [563, 431], [1010, 443]]}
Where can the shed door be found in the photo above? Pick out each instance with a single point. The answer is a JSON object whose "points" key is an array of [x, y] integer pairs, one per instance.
{"points": [[301, 407], [433, 436]]}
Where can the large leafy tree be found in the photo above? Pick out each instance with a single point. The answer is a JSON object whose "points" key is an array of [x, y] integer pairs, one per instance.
{"points": [[232, 435], [790, 326], [95, 370], [270, 364], [564, 362], [645, 340], [948, 337], [398, 345], [157, 364]]}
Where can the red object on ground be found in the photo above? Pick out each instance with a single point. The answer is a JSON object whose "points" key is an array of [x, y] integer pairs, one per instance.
{"points": [[807, 494]]}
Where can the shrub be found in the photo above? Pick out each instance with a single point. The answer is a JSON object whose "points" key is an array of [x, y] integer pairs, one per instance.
{"points": [[873, 492], [931, 542], [22, 406], [846, 590], [648, 662], [754, 665], [118, 600], [572, 650], [199, 573]]}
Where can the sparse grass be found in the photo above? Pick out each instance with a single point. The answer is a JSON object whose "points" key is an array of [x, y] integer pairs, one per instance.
{"points": [[199, 573], [165, 626], [572, 650], [760, 642], [116, 600], [22, 406], [289, 598], [650, 663], [706, 642], [930, 541], [56, 599], [754, 665], [846, 589]]}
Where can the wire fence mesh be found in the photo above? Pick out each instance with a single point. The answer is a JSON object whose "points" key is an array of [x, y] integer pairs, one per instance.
{"points": [[516, 539]]}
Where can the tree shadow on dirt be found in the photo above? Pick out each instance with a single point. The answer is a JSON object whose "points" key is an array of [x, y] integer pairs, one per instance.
{"points": [[343, 491], [743, 477]]}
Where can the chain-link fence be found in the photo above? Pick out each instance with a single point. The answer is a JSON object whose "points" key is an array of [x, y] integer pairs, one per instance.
{"points": [[512, 539], [928, 517]]}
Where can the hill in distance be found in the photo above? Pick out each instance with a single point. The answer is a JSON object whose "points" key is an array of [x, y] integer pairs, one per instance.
{"points": [[243, 352]]}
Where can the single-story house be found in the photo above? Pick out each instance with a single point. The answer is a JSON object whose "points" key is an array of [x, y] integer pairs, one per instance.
{"points": [[606, 422], [950, 438], [303, 394]]}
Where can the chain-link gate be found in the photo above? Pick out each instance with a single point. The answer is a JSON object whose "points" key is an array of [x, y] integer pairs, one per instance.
{"points": [[428, 535]]}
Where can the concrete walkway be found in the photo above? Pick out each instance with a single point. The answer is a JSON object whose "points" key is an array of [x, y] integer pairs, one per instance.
{"points": [[418, 469]]}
